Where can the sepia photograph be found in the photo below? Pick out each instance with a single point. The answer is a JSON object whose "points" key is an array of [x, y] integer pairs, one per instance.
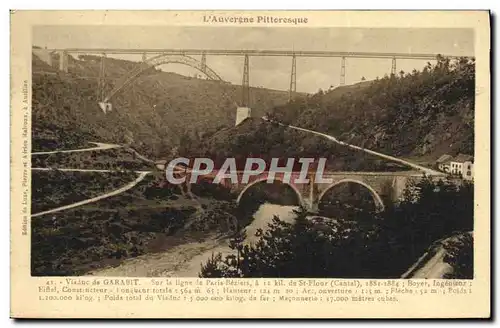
{"points": [[250, 164], [252, 152]]}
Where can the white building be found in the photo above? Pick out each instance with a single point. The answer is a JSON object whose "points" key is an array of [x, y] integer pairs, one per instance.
{"points": [[461, 164], [468, 170], [443, 163]]}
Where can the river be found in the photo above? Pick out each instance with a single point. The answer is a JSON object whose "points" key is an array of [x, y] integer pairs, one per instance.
{"points": [[185, 260]]}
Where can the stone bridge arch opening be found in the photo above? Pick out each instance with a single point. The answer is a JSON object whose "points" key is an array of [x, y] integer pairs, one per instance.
{"points": [[349, 197], [278, 192], [162, 59]]}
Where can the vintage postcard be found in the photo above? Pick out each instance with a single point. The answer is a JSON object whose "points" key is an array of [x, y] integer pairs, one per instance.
{"points": [[250, 164]]}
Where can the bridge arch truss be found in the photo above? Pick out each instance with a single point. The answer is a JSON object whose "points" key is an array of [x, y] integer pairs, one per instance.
{"points": [[162, 59]]}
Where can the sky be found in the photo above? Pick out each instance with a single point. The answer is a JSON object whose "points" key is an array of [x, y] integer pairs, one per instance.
{"points": [[271, 72]]}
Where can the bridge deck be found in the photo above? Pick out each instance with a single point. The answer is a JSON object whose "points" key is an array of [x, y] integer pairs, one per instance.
{"points": [[282, 53]]}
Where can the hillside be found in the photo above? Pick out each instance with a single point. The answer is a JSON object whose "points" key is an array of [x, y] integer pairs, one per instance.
{"points": [[153, 114], [257, 138], [422, 113], [419, 115], [110, 159]]}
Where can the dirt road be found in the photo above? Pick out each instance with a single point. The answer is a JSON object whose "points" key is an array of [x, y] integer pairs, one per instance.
{"points": [[424, 169], [128, 186], [99, 146]]}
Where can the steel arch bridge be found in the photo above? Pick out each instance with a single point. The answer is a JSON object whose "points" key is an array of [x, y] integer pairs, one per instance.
{"points": [[183, 56], [162, 59]]}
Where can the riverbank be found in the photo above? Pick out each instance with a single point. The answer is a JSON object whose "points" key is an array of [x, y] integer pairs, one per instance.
{"points": [[185, 260]]}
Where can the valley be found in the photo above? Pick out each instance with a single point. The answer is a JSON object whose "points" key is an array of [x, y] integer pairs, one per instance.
{"points": [[104, 208]]}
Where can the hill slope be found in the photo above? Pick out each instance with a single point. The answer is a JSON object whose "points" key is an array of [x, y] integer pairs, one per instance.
{"points": [[153, 114], [418, 114], [257, 138], [422, 113]]}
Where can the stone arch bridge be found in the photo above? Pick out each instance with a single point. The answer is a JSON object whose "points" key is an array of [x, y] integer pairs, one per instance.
{"points": [[385, 187]]}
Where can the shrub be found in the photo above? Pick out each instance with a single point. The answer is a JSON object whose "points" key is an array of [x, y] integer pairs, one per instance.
{"points": [[383, 247], [460, 255]]}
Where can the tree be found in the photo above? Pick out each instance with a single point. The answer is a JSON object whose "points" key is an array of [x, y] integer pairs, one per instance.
{"points": [[309, 248], [384, 247], [460, 255]]}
